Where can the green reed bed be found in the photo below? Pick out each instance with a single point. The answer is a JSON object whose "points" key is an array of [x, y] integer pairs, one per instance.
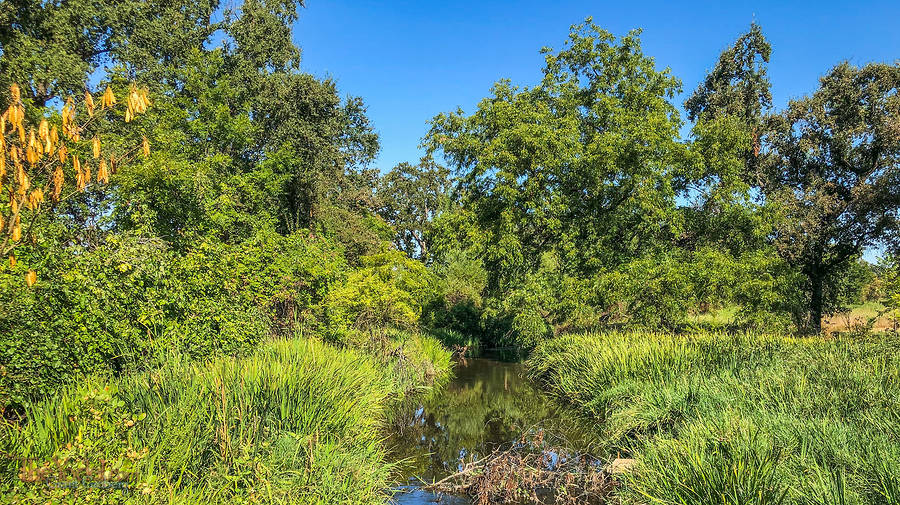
{"points": [[719, 419], [299, 421]]}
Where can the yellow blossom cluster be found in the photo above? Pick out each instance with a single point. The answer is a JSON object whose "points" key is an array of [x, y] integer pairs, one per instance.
{"points": [[34, 159]]}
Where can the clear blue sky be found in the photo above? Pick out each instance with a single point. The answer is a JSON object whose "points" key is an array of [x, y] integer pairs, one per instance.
{"points": [[410, 60]]}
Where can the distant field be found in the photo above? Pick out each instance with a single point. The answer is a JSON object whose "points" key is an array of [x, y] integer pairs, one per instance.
{"points": [[857, 315]]}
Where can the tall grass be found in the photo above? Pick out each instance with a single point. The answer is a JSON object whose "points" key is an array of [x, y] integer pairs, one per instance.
{"points": [[298, 421], [738, 419]]}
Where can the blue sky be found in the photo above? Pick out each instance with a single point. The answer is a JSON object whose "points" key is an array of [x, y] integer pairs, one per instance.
{"points": [[410, 60]]}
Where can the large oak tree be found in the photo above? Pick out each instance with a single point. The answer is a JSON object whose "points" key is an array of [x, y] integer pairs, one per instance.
{"points": [[833, 175], [583, 164]]}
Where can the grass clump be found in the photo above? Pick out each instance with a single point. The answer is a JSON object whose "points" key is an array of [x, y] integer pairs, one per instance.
{"points": [[738, 419], [298, 421]]}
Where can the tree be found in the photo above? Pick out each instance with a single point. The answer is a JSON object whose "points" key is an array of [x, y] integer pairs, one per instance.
{"points": [[316, 147], [833, 176], [583, 163], [244, 140], [729, 110], [738, 85], [51, 48], [409, 197]]}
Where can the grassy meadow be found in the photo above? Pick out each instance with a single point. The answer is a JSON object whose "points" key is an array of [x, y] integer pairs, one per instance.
{"points": [[298, 421], [855, 318], [718, 419]]}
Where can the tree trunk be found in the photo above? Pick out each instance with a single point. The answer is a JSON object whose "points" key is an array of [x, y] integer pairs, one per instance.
{"points": [[816, 302]]}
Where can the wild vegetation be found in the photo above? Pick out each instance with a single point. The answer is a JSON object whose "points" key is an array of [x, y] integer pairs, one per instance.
{"points": [[209, 288], [716, 418], [297, 421]]}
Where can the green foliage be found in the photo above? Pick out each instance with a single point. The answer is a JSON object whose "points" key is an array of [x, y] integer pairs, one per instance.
{"points": [[409, 197], [461, 282], [738, 86], [655, 291], [714, 418], [286, 155], [52, 48], [284, 425], [541, 168], [243, 141], [547, 301], [832, 174], [124, 305], [769, 293], [724, 212], [388, 290]]}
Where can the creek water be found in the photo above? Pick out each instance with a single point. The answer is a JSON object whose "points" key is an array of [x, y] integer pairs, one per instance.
{"points": [[488, 405]]}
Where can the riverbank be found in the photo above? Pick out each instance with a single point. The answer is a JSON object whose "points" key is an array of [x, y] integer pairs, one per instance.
{"points": [[714, 419], [298, 421]]}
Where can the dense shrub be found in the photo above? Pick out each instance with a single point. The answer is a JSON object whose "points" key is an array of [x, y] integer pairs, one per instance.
{"points": [[547, 302], [461, 281], [388, 290], [286, 277], [119, 306]]}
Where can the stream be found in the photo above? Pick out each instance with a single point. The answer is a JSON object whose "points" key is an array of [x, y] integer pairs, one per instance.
{"points": [[488, 405]]}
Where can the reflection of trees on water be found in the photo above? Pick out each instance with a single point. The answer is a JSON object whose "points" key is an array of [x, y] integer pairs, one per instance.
{"points": [[488, 405]]}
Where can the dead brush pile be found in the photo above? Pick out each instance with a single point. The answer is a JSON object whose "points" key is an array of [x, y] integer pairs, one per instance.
{"points": [[530, 472]]}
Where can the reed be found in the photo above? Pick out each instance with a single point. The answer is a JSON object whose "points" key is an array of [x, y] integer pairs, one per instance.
{"points": [[298, 421], [716, 418]]}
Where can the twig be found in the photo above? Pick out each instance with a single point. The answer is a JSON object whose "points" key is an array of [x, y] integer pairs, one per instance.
{"points": [[469, 467]]}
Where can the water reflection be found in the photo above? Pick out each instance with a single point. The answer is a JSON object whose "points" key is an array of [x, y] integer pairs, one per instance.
{"points": [[488, 405]]}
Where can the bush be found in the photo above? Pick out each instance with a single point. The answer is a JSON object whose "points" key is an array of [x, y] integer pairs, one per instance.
{"points": [[461, 283], [125, 304], [547, 302], [388, 290]]}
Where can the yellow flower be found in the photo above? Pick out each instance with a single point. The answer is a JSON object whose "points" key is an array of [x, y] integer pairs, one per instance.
{"points": [[44, 129], [89, 103], [11, 113], [58, 179], [108, 99], [102, 173]]}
